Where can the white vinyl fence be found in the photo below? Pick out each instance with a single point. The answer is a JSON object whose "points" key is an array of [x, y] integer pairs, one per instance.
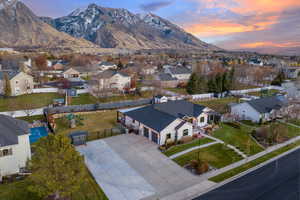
{"points": [[24, 113], [45, 90]]}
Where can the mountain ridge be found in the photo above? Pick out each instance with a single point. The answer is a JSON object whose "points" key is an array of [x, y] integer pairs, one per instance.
{"points": [[119, 28]]}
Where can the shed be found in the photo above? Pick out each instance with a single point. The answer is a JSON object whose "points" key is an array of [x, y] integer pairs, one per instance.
{"points": [[78, 137]]}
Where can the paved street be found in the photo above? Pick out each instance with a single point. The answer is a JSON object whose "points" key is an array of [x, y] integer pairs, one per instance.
{"points": [[277, 180]]}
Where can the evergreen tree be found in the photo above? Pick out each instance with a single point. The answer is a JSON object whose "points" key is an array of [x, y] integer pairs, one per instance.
{"points": [[192, 85], [211, 85], [57, 168], [7, 86], [278, 79]]}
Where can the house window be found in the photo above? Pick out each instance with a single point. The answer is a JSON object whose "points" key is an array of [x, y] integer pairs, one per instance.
{"points": [[185, 132], [202, 119], [5, 152], [17, 82], [168, 136]]}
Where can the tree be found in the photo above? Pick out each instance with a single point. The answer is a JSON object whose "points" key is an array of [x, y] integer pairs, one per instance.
{"points": [[120, 65], [41, 62], [57, 168], [192, 85], [278, 79], [7, 86]]}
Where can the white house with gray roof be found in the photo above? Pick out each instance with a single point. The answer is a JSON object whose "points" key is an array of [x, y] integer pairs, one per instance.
{"points": [[14, 145], [170, 120], [264, 109], [179, 72]]}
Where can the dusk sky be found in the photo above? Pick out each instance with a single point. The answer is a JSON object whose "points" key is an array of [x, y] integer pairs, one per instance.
{"points": [[230, 24]]}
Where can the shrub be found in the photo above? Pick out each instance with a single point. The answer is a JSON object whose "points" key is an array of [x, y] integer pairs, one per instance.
{"points": [[186, 139], [169, 143]]}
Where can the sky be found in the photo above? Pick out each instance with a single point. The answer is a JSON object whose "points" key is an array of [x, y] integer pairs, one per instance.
{"points": [[229, 24]]}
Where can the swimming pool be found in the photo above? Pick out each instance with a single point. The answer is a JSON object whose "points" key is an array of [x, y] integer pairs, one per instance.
{"points": [[37, 133]]}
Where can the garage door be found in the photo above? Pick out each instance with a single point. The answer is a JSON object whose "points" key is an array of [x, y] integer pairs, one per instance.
{"points": [[146, 132], [154, 137]]}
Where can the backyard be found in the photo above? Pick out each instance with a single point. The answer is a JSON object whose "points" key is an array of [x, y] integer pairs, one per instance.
{"points": [[238, 136], [94, 123], [219, 105], [178, 90], [29, 101], [89, 99], [217, 155], [18, 191], [268, 92]]}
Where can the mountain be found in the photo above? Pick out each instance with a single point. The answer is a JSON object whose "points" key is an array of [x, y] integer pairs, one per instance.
{"points": [[20, 27], [119, 28]]}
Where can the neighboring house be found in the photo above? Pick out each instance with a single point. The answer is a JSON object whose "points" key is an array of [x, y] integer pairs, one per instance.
{"points": [[292, 89], [148, 70], [20, 83], [263, 109], [110, 79], [14, 145], [256, 61], [166, 80], [180, 73], [292, 72], [162, 121], [103, 66], [71, 73]]}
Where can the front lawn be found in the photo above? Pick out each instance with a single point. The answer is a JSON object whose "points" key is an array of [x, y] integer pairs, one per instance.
{"points": [[89, 99], [94, 123], [242, 168], [269, 93], [238, 137], [33, 118], [217, 155], [18, 191], [28, 101], [295, 121], [179, 148], [219, 105]]}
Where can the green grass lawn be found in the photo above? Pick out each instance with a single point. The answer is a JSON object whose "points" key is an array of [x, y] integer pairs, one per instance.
{"points": [[293, 131], [89, 99], [258, 94], [219, 105], [29, 101], [242, 168], [92, 122], [295, 121], [216, 155], [18, 191], [178, 90], [33, 118], [239, 138], [179, 148]]}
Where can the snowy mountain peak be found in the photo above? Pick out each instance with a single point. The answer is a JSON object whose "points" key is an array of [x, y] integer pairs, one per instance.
{"points": [[7, 3]]}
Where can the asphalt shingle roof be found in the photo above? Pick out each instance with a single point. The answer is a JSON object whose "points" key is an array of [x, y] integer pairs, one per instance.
{"points": [[10, 130], [159, 116], [180, 70], [166, 77], [267, 104]]}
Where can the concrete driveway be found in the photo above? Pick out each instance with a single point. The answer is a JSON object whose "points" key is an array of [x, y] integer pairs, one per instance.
{"points": [[130, 167]]}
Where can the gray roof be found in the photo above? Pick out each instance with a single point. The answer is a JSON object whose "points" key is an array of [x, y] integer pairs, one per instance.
{"points": [[166, 77], [180, 70], [267, 104], [10, 74], [106, 63], [110, 73], [10, 130], [159, 116]]}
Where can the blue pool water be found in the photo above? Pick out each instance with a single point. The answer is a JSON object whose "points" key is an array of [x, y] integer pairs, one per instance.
{"points": [[37, 133]]}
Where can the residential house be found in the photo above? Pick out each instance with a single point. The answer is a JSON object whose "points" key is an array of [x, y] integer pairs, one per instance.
{"points": [[166, 80], [292, 72], [179, 72], [20, 82], [103, 66], [14, 145], [160, 122], [111, 79], [71, 73], [263, 109], [148, 70], [292, 89]]}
